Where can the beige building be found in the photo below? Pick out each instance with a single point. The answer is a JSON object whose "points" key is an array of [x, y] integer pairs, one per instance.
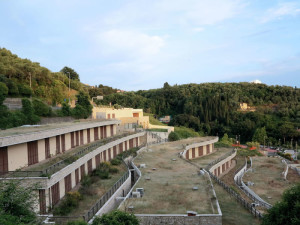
{"points": [[127, 116], [25, 149]]}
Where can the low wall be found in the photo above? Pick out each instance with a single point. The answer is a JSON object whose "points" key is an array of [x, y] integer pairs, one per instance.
{"points": [[197, 145], [219, 166], [113, 202], [205, 219]]}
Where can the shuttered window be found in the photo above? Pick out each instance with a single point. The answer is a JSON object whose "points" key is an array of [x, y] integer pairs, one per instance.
{"points": [[105, 132], [77, 176], [81, 137], [77, 137], [63, 143], [111, 130], [114, 151], [57, 144], [96, 133], [130, 143], [101, 132], [47, 148], [42, 201], [3, 159], [90, 166], [68, 183], [120, 147], [72, 140], [88, 133], [32, 150], [82, 171], [55, 193], [97, 159]]}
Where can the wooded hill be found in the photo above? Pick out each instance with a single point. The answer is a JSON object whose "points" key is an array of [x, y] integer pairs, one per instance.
{"points": [[213, 108], [25, 78]]}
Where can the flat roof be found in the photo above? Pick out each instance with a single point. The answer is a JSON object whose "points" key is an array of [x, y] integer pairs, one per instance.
{"points": [[20, 135], [168, 183]]}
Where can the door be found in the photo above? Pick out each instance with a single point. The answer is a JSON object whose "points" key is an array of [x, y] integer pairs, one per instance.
{"points": [[32, 151]]}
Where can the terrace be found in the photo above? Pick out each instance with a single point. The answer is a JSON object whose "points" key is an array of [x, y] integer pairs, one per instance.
{"points": [[267, 178], [169, 182]]}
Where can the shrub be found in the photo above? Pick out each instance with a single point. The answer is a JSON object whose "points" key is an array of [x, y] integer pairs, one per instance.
{"points": [[78, 222], [70, 202], [116, 217], [40, 108], [113, 170], [86, 181], [115, 162], [3, 92], [24, 90], [173, 136]]}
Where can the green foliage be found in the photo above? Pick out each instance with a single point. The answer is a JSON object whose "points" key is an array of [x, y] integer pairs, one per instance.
{"points": [[247, 152], [115, 162], [28, 112], [86, 181], [153, 120], [173, 136], [79, 222], [287, 210], [260, 135], [69, 202], [17, 203], [83, 108], [24, 90], [216, 107], [226, 141], [285, 155], [184, 132], [103, 170], [113, 170], [40, 108], [116, 218], [253, 144], [3, 92], [66, 109], [69, 71]]}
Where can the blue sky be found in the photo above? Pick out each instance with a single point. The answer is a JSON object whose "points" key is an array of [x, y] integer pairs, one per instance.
{"points": [[140, 44]]}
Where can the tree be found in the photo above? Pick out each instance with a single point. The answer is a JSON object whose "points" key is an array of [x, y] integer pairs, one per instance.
{"points": [[116, 218], [3, 92], [260, 135], [287, 210], [83, 108], [40, 108], [28, 112], [17, 203], [73, 74]]}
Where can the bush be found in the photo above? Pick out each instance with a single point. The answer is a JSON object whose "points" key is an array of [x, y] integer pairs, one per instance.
{"points": [[24, 90], [113, 170], [66, 109], [40, 108], [3, 92], [70, 202], [86, 181], [115, 162], [77, 223], [173, 136], [116, 218]]}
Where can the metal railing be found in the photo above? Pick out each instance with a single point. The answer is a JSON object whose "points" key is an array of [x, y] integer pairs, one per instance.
{"points": [[238, 197], [10, 174], [211, 164], [100, 203]]}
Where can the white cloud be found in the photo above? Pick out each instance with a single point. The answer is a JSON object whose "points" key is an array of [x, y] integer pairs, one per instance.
{"points": [[198, 29], [282, 10], [131, 43]]}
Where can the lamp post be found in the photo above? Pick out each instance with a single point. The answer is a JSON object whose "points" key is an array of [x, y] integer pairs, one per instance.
{"points": [[69, 87]]}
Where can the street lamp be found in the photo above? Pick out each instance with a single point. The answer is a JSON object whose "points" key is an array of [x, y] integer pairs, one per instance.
{"points": [[69, 88]]}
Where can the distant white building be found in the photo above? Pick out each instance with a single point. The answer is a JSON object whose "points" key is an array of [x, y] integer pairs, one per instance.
{"points": [[256, 82]]}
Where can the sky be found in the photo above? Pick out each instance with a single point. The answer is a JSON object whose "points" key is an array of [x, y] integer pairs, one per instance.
{"points": [[141, 44]]}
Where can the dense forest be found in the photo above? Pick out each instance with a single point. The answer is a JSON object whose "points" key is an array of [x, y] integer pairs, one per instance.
{"points": [[214, 108]]}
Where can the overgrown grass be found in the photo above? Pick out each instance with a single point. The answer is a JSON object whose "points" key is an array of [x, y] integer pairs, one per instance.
{"points": [[157, 130], [184, 132], [247, 152], [154, 121]]}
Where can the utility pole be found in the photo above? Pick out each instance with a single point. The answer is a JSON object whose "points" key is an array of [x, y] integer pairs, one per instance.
{"points": [[30, 78], [69, 88]]}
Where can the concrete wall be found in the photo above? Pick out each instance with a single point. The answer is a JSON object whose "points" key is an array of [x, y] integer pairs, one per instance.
{"points": [[223, 165], [18, 155], [207, 146]]}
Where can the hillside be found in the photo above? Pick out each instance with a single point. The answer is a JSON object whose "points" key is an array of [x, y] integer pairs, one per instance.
{"points": [[213, 108], [25, 78]]}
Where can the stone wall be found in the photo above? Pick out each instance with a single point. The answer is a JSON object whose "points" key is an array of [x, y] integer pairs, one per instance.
{"points": [[154, 219]]}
